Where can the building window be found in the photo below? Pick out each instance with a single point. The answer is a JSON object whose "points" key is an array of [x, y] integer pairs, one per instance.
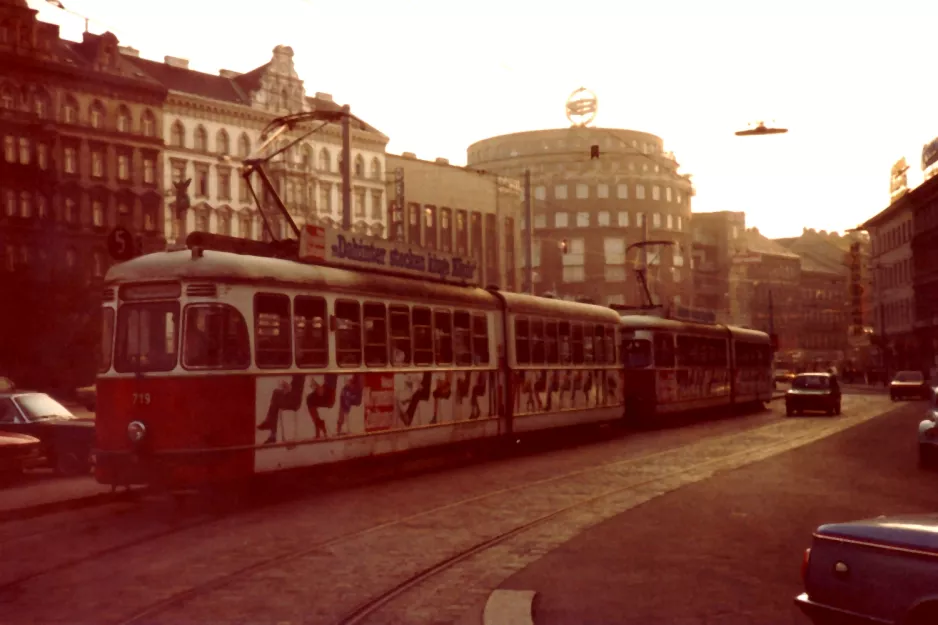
{"points": [[640, 220], [97, 115], [622, 191], [42, 156], [7, 99], [9, 148], [70, 111], [123, 167], [201, 182], [377, 206], [325, 161], [97, 213], [667, 193], [244, 227], [71, 211], [640, 191], [614, 250], [177, 135], [603, 219], [149, 124], [149, 219], [26, 205], [325, 198], [222, 142], [582, 220], [560, 192], [677, 256], [574, 273], [149, 171], [224, 223], [582, 192], [24, 151], [360, 202], [656, 192], [602, 191], [41, 106], [71, 258], [678, 200], [623, 219], [10, 203], [614, 273], [97, 164], [98, 264], [561, 220], [540, 221], [71, 160], [669, 220], [359, 166], [123, 120], [42, 206], [540, 192], [201, 139], [224, 184], [656, 220]]}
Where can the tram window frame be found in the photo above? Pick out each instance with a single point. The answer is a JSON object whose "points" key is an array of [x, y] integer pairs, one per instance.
{"points": [[400, 343], [462, 338], [563, 343], [612, 347], [280, 356], [443, 336], [663, 350], [480, 340], [576, 343], [537, 341], [422, 328], [721, 347], [599, 344], [589, 355], [305, 309], [242, 352], [123, 361], [551, 343], [375, 351], [522, 341], [108, 321], [348, 355]]}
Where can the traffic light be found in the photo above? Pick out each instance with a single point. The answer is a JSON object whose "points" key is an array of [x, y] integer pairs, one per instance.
{"points": [[564, 246], [594, 152], [182, 196]]}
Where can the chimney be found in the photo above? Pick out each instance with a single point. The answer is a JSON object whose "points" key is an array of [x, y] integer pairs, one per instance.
{"points": [[228, 73], [129, 51], [408, 155], [324, 96], [442, 161], [175, 61]]}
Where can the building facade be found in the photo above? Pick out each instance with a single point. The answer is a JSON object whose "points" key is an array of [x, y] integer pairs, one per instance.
{"points": [[717, 240], [213, 122], [82, 152], [452, 209], [924, 203], [824, 309], [596, 192]]}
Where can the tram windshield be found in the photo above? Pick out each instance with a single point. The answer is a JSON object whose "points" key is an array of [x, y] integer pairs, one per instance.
{"points": [[636, 354], [147, 337]]}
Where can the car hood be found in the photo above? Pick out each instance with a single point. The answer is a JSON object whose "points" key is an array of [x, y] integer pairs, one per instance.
{"points": [[12, 439], [894, 383], [914, 531]]}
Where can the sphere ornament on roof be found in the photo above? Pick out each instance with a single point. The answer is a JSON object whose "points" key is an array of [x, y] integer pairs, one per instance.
{"points": [[582, 106]]}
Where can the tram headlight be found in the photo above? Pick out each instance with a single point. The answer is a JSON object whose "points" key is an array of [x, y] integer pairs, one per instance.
{"points": [[136, 431]]}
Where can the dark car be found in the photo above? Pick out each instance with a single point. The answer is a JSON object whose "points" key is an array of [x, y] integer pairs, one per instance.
{"points": [[813, 391], [66, 440], [874, 571], [17, 452], [909, 385]]}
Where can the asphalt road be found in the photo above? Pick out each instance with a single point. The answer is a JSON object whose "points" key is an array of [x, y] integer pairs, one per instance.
{"points": [[728, 549]]}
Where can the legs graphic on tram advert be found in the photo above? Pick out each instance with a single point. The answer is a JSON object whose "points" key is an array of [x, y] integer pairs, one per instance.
{"points": [[321, 396], [420, 395], [477, 391], [287, 396], [352, 394]]}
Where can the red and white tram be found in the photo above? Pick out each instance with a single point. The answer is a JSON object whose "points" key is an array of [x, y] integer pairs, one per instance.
{"points": [[218, 366], [676, 366]]}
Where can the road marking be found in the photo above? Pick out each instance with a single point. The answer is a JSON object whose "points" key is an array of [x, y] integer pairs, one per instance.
{"points": [[509, 607]]}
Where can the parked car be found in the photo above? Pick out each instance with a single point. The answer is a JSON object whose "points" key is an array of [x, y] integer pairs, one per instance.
{"points": [[66, 440], [17, 452], [813, 391], [909, 384], [928, 434], [878, 570]]}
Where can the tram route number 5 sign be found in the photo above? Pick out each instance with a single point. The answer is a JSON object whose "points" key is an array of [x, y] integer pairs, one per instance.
{"points": [[313, 243], [120, 244]]}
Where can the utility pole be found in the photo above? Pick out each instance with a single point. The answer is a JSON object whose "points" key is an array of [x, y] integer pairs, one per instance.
{"points": [[645, 254], [346, 169], [529, 233], [771, 314]]}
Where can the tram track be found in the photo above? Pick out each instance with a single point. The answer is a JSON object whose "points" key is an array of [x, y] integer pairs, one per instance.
{"points": [[374, 604]]}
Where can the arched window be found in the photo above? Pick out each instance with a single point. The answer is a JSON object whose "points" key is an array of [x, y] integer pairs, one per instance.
{"points": [[26, 205], [325, 161], [376, 169], [177, 136], [97, 114], [70, 110], [244, 146], [124, 121], [359, 166], [201, 139], [148, 123], [222, 143], [41, 104], [7, 97], [307, 157]]}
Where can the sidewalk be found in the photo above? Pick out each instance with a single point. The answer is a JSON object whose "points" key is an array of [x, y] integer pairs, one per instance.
{"points": [[39, 492]]}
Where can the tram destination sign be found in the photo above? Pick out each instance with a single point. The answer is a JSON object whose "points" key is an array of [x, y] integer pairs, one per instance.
{"points": [[328, 246]]}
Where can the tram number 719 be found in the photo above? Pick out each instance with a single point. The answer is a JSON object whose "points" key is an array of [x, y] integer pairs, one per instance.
{"points": [[141, 399]]}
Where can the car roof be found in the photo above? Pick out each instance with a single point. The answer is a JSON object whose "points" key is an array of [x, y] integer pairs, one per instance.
{"points": [[821, 373]]}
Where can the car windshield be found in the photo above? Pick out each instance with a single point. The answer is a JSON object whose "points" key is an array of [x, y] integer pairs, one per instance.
{"points": [[909, 376], [39, 406], [811, 382]]}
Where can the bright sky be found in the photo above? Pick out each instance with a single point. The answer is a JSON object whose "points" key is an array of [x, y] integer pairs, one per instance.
{"points": [[849, 78]]}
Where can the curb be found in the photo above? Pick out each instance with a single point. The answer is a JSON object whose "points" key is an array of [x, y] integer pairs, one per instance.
{"points": [[509, 607], [64, 505]]}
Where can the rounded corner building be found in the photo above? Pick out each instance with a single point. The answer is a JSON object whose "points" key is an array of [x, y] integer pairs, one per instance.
{"points": [[595, 192]]}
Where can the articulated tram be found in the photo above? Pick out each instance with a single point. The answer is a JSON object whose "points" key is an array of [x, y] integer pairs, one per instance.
{"points": [[218, 365]]}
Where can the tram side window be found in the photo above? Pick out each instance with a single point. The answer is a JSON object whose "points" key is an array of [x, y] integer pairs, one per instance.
{"points": [[564, 342], [462, 342], [577, 343], [537, 341], [719, 352], [312, 337], [216, 337], [348, 333], [423, 336], [376, 335], [400, 334], [664, 350], [611, 346], [443, 330], [599, 332], [588, 346], [480, 339], [522, 342], [550, 340], [146, 337], [272, 340]]}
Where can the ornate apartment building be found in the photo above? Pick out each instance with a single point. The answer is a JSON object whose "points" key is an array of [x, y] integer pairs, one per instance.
{"points": [[81, 154], [597, 191], [212, 122]]}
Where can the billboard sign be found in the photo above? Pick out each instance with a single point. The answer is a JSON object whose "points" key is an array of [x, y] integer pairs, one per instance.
{"points": [[898, 180], [930, 154]]}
